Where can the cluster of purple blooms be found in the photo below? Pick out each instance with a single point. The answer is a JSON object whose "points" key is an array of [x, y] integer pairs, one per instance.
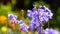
{"points": [[50, 31], [13, 18], [40, 14], [37, 16], [23, 26]]}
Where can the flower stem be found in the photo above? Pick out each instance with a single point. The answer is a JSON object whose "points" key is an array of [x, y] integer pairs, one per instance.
{"points": [[29, 32], [41, 29], [48, 24], [22, 32]]}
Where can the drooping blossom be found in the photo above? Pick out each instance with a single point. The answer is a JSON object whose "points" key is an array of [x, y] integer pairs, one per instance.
{"points": [[50, 31], [23, 26], [13, 18]]}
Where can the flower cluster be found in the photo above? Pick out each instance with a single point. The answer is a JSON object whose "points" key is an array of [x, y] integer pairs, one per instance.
{"points": [[37, 16], [50, 31], [23, 26], [42, 14], [13, 18], [45, 14]]}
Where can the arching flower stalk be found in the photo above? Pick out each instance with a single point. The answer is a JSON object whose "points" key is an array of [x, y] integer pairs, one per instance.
{"points": [[23, 26], [13, 18], [37, 15]]}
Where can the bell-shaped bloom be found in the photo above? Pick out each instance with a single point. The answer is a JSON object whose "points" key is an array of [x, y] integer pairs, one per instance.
{"points": [[39, 15], [42, 13], [23, 26], [50, 31], [13, 18]]}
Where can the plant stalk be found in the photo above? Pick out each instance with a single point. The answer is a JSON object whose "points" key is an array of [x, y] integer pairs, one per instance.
{"points": [[41, 27]]}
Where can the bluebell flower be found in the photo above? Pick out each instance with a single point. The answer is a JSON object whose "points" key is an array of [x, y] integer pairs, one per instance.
{"points": [[43, 14], [20, 22], [29, 13], [50, 31], [38, 30], [23, 27], [39, 15], [31, 27], [13, 18], [34, 24], [10, 16], [46, 14]]}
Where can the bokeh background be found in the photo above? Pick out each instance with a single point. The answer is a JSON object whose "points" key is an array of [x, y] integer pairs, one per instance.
{"points": [[20, 7]]}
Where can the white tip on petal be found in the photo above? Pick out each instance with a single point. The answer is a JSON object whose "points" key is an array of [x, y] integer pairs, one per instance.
{"points": [[9, 15], [29, 10]]}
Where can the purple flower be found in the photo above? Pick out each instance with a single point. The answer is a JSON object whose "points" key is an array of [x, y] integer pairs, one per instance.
{"points": [[37, 15], [13, 18], [38, 30], [46, 14], [34, 24], [20, 22], [50, 31], [10, 16], [23, 27], [31, 27], [41, 14]]}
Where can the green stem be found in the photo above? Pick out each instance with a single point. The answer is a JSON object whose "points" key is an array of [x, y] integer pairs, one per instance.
{"points": [[41, 29], [48, 24]]}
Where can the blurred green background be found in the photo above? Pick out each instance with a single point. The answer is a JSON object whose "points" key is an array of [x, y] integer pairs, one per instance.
{"points": [[20, 7]]}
